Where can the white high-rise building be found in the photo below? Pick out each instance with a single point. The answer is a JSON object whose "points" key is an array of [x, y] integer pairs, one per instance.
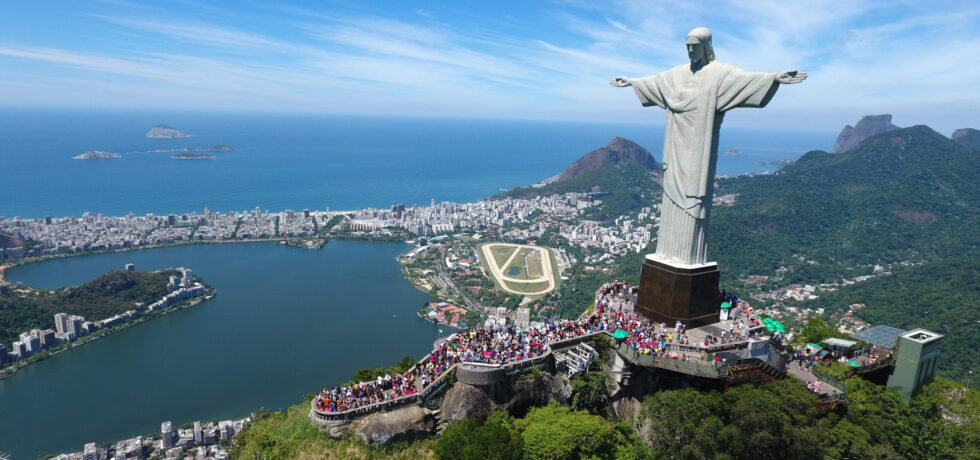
{"points": [[31, 342], [90, 452], [166, 435], [61, 322], [75, 323], [198, 432]]}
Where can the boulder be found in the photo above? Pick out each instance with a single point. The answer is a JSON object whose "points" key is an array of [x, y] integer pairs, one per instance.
{"points": [[464, 401], [405, 424], [538, 391]]}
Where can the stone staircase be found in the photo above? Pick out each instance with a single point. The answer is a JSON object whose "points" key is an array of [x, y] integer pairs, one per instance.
{"points": [[440, 422]]}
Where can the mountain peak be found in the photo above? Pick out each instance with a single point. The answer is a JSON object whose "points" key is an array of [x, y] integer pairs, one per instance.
{"points": [[967, 137], [869, 125], [617, 151]]}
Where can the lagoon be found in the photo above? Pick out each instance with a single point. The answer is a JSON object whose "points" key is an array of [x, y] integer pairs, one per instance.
{"points": [[286, 322]]}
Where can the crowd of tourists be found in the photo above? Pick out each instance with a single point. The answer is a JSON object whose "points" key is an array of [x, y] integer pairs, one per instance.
{"points": [[502, 345], [347, 397], [496, 345]]}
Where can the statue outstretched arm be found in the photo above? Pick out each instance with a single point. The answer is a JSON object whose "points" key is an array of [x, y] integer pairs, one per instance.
{"points": [[621, 82], [790, 77]]}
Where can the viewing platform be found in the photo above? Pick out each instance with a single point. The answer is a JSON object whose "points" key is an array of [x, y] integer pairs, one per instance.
{"points": [[691, 358]]}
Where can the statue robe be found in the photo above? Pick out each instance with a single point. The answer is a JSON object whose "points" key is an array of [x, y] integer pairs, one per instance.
{"points": [[696, 103]]}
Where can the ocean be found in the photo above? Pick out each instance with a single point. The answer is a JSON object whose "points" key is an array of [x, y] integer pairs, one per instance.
{"points": [[310, 161]]}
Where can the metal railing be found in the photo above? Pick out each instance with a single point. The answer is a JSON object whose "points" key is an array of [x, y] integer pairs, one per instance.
{"points": [[873, 367], [829, 380]]}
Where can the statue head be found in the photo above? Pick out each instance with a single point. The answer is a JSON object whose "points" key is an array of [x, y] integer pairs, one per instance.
{"points": [[699, 47]]}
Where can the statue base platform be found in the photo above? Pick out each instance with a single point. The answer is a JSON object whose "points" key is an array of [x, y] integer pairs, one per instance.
{"points": [[670, 292]]}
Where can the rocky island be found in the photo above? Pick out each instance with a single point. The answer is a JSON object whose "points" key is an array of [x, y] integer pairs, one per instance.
{"points": [[97, 155], [167, 132], [213, 148], [192, 156]]}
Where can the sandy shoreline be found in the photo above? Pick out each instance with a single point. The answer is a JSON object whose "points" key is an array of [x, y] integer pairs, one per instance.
{"points": [[4, 268]]}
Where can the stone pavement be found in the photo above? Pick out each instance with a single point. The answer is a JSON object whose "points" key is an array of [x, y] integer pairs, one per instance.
{"points": [[807, 377]]}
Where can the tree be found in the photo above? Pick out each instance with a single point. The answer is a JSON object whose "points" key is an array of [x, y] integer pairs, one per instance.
{"points": [[589, 393], [554, 432], [468, 440], [683, 423]]}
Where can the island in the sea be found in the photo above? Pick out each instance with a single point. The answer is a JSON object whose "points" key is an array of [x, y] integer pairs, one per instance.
{"points": [[97, 155], [213, 148], [192, 156], [166, 132]]}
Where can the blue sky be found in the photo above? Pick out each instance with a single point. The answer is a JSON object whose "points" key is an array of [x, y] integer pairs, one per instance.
{"points": [[541, 60]]}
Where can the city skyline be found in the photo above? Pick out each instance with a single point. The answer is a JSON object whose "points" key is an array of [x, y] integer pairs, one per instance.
{"points": [[539, 61]]}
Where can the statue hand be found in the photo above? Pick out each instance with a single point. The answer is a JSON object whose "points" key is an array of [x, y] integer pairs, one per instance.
{"points": [[790, 76], [620, 82]]}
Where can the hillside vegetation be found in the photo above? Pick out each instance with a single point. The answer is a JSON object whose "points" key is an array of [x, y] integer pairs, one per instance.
{"points": [[908, 194], [624, 188], [112, 293]]}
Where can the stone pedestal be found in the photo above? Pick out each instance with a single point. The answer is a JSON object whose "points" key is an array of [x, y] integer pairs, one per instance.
{"points": [[670, 293]]}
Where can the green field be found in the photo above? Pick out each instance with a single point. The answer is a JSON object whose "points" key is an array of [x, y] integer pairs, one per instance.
{"points": [[535, 267], [527, 287], [516, 267], [501, 254]]}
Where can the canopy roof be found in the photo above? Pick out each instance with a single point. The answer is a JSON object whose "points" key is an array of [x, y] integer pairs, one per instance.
{"points": [[620, 334], [883, 336], [835, 342]]}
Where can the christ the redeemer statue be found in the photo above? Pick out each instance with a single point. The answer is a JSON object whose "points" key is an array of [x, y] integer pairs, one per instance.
{"points": [[696, 97]]}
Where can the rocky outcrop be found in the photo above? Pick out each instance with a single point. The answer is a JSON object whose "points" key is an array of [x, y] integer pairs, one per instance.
{"points": [[97, 155], [464, 401], [618, 151], [166, 132], [870, 125], [405, 424], [967, 137]]}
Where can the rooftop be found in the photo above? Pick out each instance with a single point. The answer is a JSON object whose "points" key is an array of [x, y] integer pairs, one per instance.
{"points": [[883, 336]]}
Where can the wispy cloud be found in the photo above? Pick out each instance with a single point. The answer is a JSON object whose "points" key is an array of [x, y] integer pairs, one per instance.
{"points": [[554, 61]]}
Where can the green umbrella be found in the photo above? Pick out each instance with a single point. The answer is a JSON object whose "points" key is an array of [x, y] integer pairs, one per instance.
{"points": [[726, 305], [853, 363], [620, 334]]}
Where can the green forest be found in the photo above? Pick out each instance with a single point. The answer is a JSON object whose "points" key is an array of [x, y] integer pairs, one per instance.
{"points": [[117, 291]]}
